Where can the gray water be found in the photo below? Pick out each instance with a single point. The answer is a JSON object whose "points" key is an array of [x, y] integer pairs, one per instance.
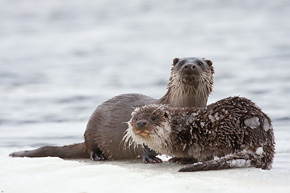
{"points": [[60, 59]]}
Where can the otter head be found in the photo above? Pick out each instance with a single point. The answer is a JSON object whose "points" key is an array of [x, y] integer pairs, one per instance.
{"points": [[190, 83], [189, 71], [150, 125]]}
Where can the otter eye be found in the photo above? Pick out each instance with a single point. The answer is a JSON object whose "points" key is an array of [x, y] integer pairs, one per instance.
{"points": [[136, 119], [153, 118], [165, 115], [181, 63], [199, 63]]}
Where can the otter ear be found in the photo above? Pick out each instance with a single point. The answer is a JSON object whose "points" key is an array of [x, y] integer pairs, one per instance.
{"points": [[209, 62], [175, 61]]}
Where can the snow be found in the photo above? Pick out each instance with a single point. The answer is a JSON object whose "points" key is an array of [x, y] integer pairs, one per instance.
{"points": [[216, 116], [259, 151], [211, 118], [252, 122], [57, 175], [240, 163], [267, 125], [60, 59]]}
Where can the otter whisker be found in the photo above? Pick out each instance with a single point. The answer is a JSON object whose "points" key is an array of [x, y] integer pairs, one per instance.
{"points": [[128, 140]]}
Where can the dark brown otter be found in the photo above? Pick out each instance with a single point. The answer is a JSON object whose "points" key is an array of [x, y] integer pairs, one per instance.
{"points": [[232, 132], [190, 84]]}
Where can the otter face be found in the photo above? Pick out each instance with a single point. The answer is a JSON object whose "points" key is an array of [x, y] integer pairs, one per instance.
{"points": [[149, 125], [145, 122], [190, 69]]}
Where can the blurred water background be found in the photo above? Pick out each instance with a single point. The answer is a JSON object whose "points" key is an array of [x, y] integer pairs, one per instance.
{"points": [[60, 59]]}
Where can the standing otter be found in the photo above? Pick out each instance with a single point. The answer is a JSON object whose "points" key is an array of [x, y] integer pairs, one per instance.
{"points": [[190, 84], [225, 134]]}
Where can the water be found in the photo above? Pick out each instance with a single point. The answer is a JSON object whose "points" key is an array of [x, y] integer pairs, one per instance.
{"points": [[60, 59]]}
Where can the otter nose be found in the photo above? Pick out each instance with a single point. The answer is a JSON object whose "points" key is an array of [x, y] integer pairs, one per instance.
{"points": [[189, 66], [141, 123], [190, 69]]}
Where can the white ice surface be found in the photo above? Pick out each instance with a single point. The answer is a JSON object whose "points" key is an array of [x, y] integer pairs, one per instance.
{"points": [[80, 176]]}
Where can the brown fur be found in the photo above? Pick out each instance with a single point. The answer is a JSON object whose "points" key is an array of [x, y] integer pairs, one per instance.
{"points": [[229, 130], [50, 151], [190, 85]]}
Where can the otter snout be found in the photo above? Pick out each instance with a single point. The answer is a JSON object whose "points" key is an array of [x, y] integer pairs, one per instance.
{"points": [[190, 69], [141, 128], [141, 123]]}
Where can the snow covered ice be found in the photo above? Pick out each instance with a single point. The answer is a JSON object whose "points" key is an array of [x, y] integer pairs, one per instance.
{"points": [[57, 175], [252, 122], [60, 59]]}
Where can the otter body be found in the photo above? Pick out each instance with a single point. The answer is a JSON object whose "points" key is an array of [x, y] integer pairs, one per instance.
{"points": [[107, 124], [190, 85], [232, 132]]}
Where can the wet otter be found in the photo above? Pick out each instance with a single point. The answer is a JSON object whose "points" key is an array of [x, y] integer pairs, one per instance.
{"points": [[225, 134], [190, 84]]}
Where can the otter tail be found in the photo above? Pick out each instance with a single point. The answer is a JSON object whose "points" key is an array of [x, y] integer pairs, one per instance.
{"points": [[74, 151], [243, 159]]}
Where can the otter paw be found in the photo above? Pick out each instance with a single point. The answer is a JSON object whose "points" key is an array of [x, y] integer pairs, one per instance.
{"points": [[97, 156], [149, 156], [174, 159], [182, 161], [152, 160]]}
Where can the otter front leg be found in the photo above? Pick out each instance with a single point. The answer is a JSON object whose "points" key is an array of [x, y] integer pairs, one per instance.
{"points": [[149, 155]]}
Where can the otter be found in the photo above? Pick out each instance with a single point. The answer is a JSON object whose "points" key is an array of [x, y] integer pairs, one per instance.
{"points": [[232, 132], [190, 84]]}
